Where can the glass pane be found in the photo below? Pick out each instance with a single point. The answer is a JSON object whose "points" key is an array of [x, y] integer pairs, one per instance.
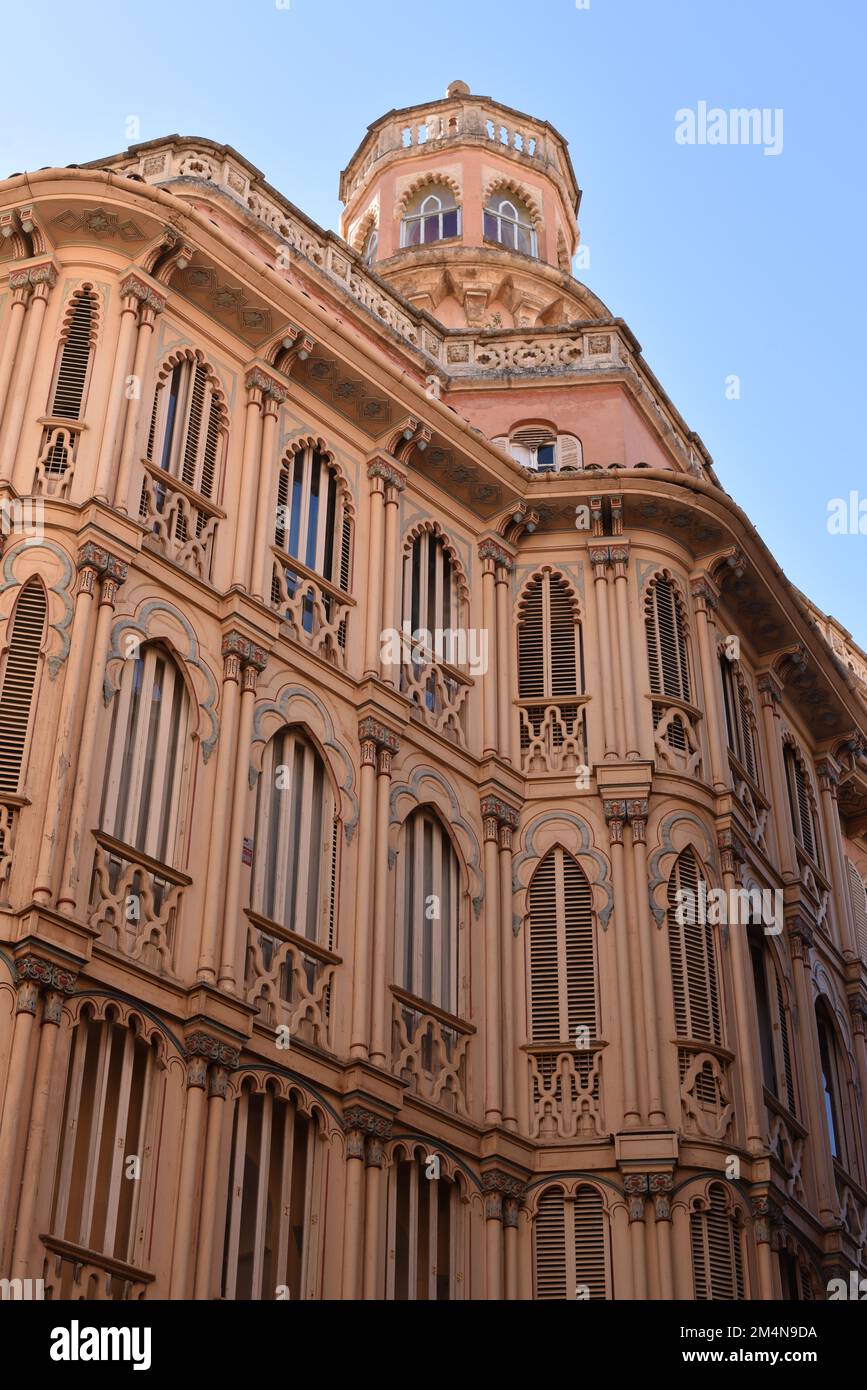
{"points": [[413, 232], [545, 457], [432, 228], [450, 223], [523, 240], [491, 227]]}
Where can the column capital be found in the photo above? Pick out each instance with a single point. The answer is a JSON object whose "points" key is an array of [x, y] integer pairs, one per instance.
{"points": [[615, 819], [378, 737], [42, 277], [218, 1081], [239, 653], [637, 811], [270, 387], [45, 974], [732, 851], [619, 558], [858, 1011], [387, 471], [374, 1152], [211, 1049], [770, 688], [137, 288], [828, 771], [498, 1187], [500, 810], [636, 1186], [492, 550], [801, 936], [94, 562], [659, 1186], [367, 1122], [768, 1220], [600, 558], [705, 594]]}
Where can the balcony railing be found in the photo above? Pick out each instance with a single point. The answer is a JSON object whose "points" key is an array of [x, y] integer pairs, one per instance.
{"points": [[56, 463], [565, 1090], [135, 902], [853, 1207], [10, 809], [429, 1050], [316, 611], [752, 804], [182, 525], [438, 692], [786, 1139], [675, 735], [71, 1272], [553, 734], [705, 1089], [288, 978]]}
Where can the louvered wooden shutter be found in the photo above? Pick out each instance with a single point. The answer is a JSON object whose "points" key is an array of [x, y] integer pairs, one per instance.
{"points": [[717, 1260], [428, 965], [293, 863], [748, 753], [693, 958], [569, 454], [666, 643], [563, 993], [785, 1048], [859, 907], [72, 371], [571, 1245], [548, 642], [799, 799], [19, 679]]}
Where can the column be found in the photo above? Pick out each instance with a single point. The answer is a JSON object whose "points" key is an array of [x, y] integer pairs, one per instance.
{"points": [[388, 744], [618, 687], [151, 304], [359, 1124], [705, 601], [829, 780], [132, 291], [492, 1184], [202, 1051], [20, 470], [660, 1186], [80, 656], [771, 694], [374, 1169], [637, 812], [394, 485], [493, 1078], [766, 1216], [360, 1034], [615, 816], [858, 1014], [800, 935], [246, 508], [511, 1214], [218, 1085], [253, 660], [490, 742], [682, 1247], [112, 573], [599, 556], [273, 396], [746, 1024], [508, 822], [507, 683], [19, 286], [378, 472], [635, 1187], [215, 897], [620, 561]]}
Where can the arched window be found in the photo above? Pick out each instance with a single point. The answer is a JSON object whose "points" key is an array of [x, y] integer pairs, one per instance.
{"points": [[429, 911], [424, 1233], [550, 670], [694, 975], [563, 989], [371, 246], [145, 771], [801, 802], [665, 630], [188, 424], [314, 527], [295, 839], [508, 222], [572, 1257], [858, 892], [433, 215], [275, 1200], [18, 682], [432, 607], [111, 1103], [776, 1052], [717, 1253], [72, 372], [740, 732], [539, 448], [833, 1085]]}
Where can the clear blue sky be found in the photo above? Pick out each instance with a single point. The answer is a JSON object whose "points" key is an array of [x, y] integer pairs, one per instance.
{"points": [[723, 260]]}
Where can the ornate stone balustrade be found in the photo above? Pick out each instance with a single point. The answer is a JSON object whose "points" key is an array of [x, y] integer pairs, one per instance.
{"points": [[8, 817], [786, 1139], [72, 1273], [553, 734], [55, 466], [182, 524], [315, 610], [438, 692], [510, 350], [135, 902], [753, 806], [288, 978], [565, 1091], [705, 1089], [430, 1051], [675, 736], [853, 1208]]}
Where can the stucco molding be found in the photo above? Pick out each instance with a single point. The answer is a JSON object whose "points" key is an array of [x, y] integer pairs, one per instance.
{"points": [[541, 834], [295, 705]]}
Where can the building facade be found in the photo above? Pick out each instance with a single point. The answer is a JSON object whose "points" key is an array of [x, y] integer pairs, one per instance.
{"points": [[433, 831]]}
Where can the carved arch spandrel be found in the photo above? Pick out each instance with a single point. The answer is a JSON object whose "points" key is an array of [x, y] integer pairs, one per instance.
{"points": [[425, 786], [673, 831], [577, 837], [295, 705], [55, 570], [158, 620]]}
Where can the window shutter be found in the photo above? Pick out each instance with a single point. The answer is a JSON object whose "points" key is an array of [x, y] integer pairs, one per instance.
{"points": [[799, 801], [571, 1245], [717, 1260], [859, 907], [72, 372], [431, 882], [748, 755], [666, 642], [563, 993], [531, 643], [785, 1049], [551, 1246], [19, 680], [569, 454], [293, 860], [590, 1242], [693, 958], [547, 647]]}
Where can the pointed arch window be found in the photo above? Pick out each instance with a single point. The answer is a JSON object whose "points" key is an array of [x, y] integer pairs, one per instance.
{"points": [[563, 981], [188, 425], [550, 670], [740, 733], [834, 1086], [433, 215], [507, 221], [571, 1245], [143, 788], [692, 951], [72, 373], [776, 1051], [429, 899], [19, 681], [313, 526], [717, 1249], [433, 607], [801, 802]]}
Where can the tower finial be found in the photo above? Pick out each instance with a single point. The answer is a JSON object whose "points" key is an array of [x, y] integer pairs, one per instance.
{"points": [[457, 89]]}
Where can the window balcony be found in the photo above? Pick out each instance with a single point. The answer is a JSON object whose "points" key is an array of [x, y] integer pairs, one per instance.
{"points": [[316, 611], [10, 810], [135, 902], [55, 466], [553, 734], [182, 524], [438, 692], [786, 1140], [71, 1272], [565, 1090], [429, 1050], [675, 736], [288, 978], [705, 1088]]}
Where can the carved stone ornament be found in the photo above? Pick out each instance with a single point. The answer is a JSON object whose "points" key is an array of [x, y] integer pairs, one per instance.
{"points": [[45, 974], [213, 1050], [367, 1121]]}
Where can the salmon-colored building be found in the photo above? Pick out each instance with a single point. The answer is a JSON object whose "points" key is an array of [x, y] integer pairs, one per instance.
{"points": [[433, 831]]}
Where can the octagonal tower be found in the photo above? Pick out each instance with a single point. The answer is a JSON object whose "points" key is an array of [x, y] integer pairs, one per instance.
{"points": [[469, 209]]}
